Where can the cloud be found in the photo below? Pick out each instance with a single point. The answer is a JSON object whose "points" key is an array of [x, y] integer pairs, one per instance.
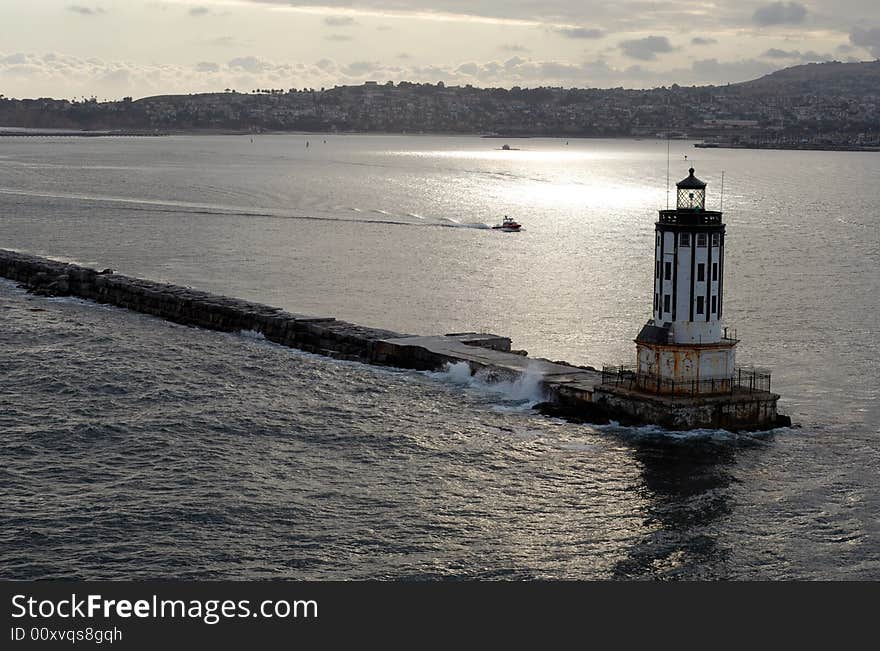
{"points": [[18, 58], [780, 13], [199, 11], [699, 40], [633, 16], [514, 48], [85, 11], [60, 75], [646, 49], [404, 55], [118, 76], [817, 57], [680, 20], [339, 21], [523, 72], [866, 38], [579, 32], [250, 64], [776, 53], [716, 72], [338, 37], [360, 68], [225, 41]]}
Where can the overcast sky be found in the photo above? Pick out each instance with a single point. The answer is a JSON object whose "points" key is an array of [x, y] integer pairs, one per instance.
{"points": [[113, 48]]}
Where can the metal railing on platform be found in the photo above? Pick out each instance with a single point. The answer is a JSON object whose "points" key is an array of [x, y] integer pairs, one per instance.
{"points": [[743, 379]]}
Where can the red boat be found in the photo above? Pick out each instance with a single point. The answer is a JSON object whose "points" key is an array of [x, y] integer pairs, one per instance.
{"points": [[508, 225]]}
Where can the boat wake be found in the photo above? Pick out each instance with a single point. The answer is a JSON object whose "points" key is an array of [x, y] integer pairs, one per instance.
{"points": [[194, 208]]}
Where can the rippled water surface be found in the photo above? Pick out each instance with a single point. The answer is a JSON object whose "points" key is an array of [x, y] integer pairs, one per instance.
{"points": [[134, 448]]}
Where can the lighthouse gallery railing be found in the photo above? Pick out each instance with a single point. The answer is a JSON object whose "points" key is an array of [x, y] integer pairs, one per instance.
{"points": [[743, 379]]}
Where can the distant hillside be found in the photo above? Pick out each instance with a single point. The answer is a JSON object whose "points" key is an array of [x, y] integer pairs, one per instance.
{"points": [[831, 78], [825, 104]]}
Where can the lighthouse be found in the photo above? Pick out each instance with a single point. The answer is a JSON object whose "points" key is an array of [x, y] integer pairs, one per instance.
{"points": [[683, 348], [685, 375]]}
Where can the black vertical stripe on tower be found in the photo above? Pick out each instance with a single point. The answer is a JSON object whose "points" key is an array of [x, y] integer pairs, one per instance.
{"points": [[676, 240], [720, 275], [662, 272], [709, 274], [693, 275]]}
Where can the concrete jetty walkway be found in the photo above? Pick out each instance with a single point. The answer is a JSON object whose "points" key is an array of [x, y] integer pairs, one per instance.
{"points": [[579, 391], [486, 351]]}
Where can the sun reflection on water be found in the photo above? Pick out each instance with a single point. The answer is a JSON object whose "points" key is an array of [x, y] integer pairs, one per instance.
{"points": [[513, 155]]}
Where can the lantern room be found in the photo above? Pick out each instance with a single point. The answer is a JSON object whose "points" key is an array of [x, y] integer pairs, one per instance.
{"points": [[691, 193]]}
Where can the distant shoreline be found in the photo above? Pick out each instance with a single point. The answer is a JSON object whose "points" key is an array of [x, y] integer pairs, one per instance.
{"points": [[21, 132], [785, 147], [24, 132], [8, 132]]}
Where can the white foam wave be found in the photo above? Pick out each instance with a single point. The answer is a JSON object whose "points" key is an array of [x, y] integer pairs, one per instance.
{"points": [[647, 432], [252, 335], [520, 392], [12, 286]]}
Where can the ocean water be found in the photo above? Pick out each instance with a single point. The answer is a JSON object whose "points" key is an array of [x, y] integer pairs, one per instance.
{"points": [[135, 448]]}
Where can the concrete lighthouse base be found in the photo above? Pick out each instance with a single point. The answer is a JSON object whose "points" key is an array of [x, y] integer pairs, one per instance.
{"points": [[738, 410]]}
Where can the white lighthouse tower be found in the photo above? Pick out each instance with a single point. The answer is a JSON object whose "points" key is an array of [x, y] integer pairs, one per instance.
{"points": [[683, 348]]}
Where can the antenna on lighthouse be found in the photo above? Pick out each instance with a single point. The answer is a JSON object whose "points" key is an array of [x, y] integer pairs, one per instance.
{"points": [[667, 171], [722, 191]]}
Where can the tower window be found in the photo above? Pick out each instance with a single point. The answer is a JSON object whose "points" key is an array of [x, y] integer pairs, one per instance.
{"points": [[716, 239], [700, 302], [701, 272], [701, 239], [714, 272], [714, 304], [668, 271], [656, 301], [658, 239], [685, 239], [666, 302], [657, 269]]}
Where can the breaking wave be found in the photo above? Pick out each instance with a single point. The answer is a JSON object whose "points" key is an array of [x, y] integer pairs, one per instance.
{"points": [[648, 433], [521, 392]]}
